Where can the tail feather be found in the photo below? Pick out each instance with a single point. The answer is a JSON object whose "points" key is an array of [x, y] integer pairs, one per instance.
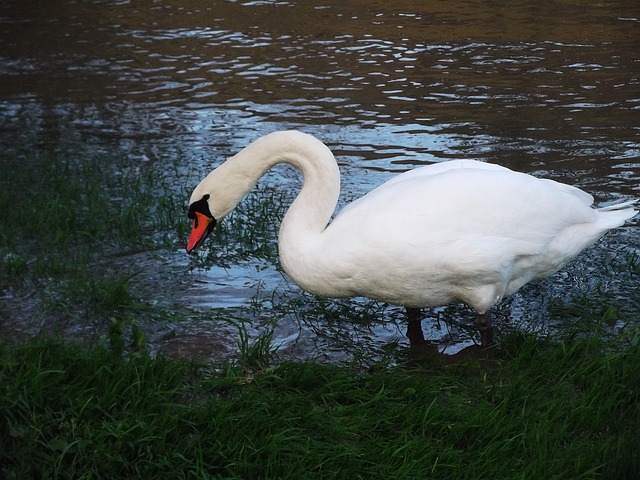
{"points": [[619, 206], [615, 215]]}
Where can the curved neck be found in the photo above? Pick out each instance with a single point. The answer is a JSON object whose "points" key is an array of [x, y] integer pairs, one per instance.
{"points": [[310, 212]]}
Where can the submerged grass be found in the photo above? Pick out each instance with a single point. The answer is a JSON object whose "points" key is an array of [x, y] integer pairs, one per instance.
{"points": [[67, 227], [538, 410], [60, 218], [54, 212]]}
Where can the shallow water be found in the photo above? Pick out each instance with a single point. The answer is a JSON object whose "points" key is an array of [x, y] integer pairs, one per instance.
{"points": [[551, 89]]}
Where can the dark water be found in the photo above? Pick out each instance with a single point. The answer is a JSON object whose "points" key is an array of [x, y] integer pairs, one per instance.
{"points": [[550, 88]]}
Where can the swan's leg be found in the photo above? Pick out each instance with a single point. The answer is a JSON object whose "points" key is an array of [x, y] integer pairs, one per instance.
{"points": [[483, 324], [414, 329]]}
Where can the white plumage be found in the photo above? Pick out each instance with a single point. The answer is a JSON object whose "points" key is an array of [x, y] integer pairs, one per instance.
{"points": [[459, 231]]}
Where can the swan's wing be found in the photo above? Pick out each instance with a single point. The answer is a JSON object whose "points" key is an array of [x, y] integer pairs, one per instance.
{"points": [[443, 167], [482, 187], [467, 222], [437, 168]]}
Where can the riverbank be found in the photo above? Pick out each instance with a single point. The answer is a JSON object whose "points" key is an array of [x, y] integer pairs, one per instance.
{"points": [[538, 409]]}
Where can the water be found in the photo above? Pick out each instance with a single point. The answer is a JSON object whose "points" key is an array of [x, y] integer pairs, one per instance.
{"points": [[551, 89]]}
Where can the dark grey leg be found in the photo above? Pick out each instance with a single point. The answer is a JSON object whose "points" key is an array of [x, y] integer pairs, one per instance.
{"points": [[483, 323], [414, 328]]}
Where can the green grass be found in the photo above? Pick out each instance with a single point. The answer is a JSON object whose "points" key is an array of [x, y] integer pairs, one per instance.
{"points": [[538, 410], [61, 207], [61, 217], [63, 224]]}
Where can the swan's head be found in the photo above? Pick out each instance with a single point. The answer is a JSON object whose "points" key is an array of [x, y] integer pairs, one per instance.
{"points": [[214, 198], [203, 223]]}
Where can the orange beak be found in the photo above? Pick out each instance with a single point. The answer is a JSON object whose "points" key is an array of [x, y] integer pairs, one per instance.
{"points": [[200, 229]]}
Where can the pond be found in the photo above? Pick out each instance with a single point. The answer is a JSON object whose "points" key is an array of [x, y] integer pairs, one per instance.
{"points": [[548, 88]]}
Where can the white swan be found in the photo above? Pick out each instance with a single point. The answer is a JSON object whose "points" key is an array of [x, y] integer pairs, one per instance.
{"points": [[459, 231]]}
